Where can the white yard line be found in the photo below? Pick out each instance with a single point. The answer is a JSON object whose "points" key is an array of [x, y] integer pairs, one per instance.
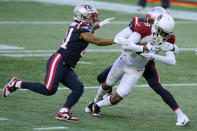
{"points": [[88, 50], [145, 85], [131, 9], [51, 128], [46, 53], [26, 55], [4, 119], [69, 22], [137, 86], [3, 47]]}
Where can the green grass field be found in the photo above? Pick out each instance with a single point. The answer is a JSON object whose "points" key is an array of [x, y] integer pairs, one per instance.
{"points": [[141, 110]]}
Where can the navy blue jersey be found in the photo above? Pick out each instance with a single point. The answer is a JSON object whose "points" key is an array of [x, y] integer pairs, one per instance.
{"points": [[135, 21], [73, 47]]}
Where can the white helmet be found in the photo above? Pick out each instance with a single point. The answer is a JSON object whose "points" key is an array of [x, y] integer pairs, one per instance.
{"points": [[86, 12], [152, 15], [163, 28]]}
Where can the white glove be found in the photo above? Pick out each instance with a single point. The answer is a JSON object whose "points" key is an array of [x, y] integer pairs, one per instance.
{"points": [[196, 52], [106, 21], [176, 50], [152, 48], [165, 46], [149, 55]]}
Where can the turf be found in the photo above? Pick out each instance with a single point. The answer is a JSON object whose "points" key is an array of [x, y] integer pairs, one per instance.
{"points": [[141, 110]]}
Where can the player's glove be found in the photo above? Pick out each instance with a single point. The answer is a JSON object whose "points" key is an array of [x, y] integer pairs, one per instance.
{"points": [[152, 48], [165, 46], [149, 55], [176, 50], [106, 21]]}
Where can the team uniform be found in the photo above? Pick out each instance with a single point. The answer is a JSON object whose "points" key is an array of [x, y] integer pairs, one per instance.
{"points": [[60, 65], [129, 67], [150, 73]]}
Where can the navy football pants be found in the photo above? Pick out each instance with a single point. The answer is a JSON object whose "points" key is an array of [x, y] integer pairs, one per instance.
{"points": [[151, 76], [57, 72]]}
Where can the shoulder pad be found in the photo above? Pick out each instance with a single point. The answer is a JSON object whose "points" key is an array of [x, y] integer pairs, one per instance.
{"points": [[143, 28], [134, 22], [85, 26]]}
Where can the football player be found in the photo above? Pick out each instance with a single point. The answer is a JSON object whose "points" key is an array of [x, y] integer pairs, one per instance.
{"points": [[61, 64], [150, 72]]}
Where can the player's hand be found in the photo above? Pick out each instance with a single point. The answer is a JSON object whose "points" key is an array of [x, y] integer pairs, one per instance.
{"points": [[149, 55], [165, 46], [152, 48], [176, 50], [106, 21]]}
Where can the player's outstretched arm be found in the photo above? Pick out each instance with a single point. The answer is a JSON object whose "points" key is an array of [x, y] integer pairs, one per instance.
{"points": [[168, 58], [91, 38]]}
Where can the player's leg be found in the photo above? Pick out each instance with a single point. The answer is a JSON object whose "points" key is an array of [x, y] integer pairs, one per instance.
{"points": [[103, 75], [101, 78], [165, 4], [127, 83], [142, 4], [114, 76], [70, 80], [53, 75], [152, 77]]}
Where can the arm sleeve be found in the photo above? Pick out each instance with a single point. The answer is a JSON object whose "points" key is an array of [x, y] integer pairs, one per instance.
{"points": [[125, 33], [122, 37], [133, 39], [168, 59]]}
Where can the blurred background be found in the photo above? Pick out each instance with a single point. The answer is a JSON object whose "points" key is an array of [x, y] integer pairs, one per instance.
{"points": [[31, 30]]}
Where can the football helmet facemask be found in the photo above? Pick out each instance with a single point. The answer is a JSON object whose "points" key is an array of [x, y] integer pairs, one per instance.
{"points": [[86, 12]]}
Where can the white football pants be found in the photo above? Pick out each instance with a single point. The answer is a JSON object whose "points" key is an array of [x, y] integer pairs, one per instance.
{"points": [[128, 74]]}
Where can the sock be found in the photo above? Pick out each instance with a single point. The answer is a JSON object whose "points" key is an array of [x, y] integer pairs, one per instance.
{"points": [[64, 109], [100, 94], [105, 102], [19, 84], [178, 112]]}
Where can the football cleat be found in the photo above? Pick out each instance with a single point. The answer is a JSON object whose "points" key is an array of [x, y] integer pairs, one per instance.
{"points": [[10, 87], [66, 116], [89, 107], [95, 110], [182, 120]]}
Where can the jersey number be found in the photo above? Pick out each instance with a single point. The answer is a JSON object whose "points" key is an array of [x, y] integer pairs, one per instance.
{"points": [[67, 38]]}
